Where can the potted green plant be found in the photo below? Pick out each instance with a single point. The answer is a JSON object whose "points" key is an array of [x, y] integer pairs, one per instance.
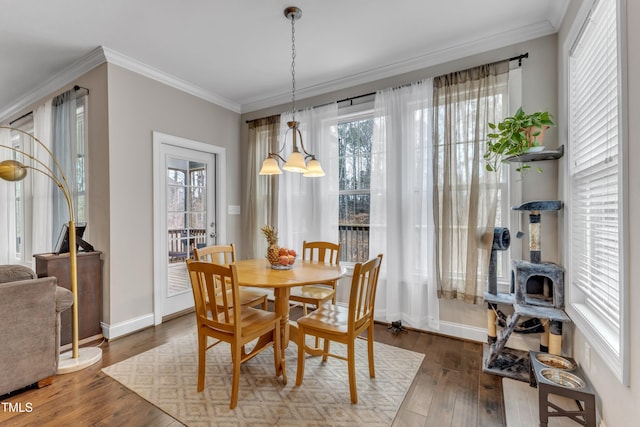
{"points": [[515, 136]]}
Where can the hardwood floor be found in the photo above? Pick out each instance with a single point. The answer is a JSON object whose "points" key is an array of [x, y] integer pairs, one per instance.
{"points": [[449, 390]]}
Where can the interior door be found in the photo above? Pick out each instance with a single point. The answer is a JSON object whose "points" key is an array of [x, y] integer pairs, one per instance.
{"points": [[185, 202]]}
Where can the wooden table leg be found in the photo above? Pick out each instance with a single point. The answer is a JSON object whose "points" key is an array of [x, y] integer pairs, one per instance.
{"points": [[281, 307]]}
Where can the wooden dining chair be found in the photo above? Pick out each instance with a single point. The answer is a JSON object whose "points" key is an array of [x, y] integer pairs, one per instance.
{"points": [[317, 294], [225, 323], [225, 255], [344, 324]]}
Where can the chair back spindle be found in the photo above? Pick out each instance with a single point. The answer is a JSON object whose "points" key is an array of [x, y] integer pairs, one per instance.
{"points": [[217, 254], [226, 255], [363, 292], [216, 292], [326, 252]]}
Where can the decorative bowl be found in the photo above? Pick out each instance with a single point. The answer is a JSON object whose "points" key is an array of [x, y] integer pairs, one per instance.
{"points": [[281, 267], [278, 266]]}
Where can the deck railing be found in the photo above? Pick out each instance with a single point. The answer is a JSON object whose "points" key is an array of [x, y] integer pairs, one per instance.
{"points": [[354, 242], [182, 241]]}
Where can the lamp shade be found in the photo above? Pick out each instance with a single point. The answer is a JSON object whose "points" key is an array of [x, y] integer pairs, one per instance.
{"points": [[12, 170], [270, 167], [314, 169], [295, 163]]}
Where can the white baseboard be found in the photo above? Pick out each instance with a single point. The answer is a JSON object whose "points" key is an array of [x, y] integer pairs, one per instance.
{"points": [[129, 326], [478, 334], [473, 333], [455, 330], [466, 332]]}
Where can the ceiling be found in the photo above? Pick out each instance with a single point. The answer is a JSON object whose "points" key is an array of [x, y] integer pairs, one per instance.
{"points": [[238, 53]]}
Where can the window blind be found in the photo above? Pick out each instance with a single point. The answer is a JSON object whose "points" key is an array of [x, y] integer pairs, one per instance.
{"points": [[595, 184]]}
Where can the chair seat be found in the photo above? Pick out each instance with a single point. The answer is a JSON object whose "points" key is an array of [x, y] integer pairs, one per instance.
{"points": [[254, 319], [330, 318], [247, 298], [312, 294], [251, 319]]}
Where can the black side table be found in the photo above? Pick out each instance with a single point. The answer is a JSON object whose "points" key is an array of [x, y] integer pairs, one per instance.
{"points": [[571, 383]]}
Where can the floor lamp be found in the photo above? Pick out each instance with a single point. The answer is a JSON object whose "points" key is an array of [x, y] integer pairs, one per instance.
{"points": [[13, 170]]}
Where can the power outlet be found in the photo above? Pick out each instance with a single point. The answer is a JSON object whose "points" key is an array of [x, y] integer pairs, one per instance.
{"points": [[587, 357]]}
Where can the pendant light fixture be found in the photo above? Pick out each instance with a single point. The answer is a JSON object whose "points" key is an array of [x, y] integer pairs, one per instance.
{"points": [[297, 161]]}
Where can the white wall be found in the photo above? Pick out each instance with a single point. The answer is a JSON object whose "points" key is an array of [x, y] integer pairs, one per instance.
{"points": [[137, 107], [617, 404]]}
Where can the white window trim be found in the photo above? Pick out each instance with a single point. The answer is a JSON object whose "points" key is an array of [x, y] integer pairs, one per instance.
{"points": [[596, 333], [352, 112]]}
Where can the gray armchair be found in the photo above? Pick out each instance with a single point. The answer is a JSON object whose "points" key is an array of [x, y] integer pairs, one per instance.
{"points": [[29, 327]]}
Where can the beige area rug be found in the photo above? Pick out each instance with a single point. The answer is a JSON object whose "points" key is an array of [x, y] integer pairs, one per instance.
{"points": [[521, 405], [167, 376]]}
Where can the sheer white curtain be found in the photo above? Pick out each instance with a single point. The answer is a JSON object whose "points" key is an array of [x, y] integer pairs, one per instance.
{"points": [[43, 188], [401, 206], [65, 148], [308, 207], [35, 193], [7, 207]]}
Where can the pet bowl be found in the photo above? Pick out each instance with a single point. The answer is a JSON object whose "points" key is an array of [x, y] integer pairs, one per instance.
{"points": [[562, 378]]}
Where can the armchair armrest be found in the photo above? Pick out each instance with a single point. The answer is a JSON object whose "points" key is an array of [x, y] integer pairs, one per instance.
{"points": [[15, 272], [64, 299]]}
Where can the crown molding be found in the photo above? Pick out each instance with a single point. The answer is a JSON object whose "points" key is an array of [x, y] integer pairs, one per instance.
{"points": [[557, 12], [453, 52], [435, 57], [65, 77], [99, 56], [138, 67]]}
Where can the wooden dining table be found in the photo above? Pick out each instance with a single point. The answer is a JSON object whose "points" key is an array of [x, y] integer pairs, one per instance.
{"points": [[257, 273]]}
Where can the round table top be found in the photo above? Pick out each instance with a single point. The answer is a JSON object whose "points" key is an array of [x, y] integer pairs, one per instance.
{"points": [[258, 273]]}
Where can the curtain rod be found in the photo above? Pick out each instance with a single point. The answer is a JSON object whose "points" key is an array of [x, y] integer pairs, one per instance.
{"points": [[518, 58], [350, 100], [76, 88], [21, 117]]}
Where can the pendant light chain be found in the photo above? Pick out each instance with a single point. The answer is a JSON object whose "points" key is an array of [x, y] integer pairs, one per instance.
{"points": [[293, 68], [300, 160]]}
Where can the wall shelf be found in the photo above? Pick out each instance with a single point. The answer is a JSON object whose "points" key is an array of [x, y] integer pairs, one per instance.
{"points": [[541, 155]]}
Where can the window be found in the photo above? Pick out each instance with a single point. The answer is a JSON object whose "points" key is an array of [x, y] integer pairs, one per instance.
{"points": [[355, 132], [24, 218], [595, 186], [20, 142], [81, 164], [354, 143], [186, 206], [462, 113], [21, 195]]}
